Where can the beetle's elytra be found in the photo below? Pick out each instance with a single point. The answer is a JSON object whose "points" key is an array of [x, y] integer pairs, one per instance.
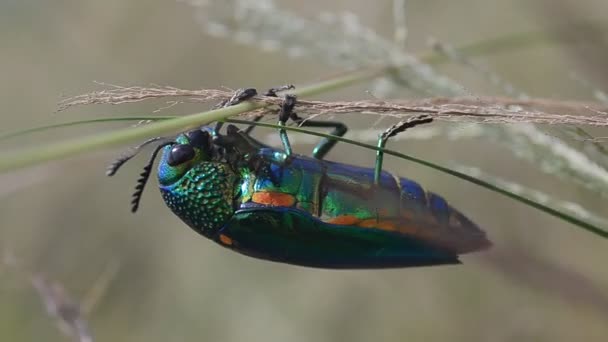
{"points": [[275, 205]]}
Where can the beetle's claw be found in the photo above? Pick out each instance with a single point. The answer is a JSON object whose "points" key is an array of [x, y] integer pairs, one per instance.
{"points": [[240, 95], [273, 91], [286, 113]]}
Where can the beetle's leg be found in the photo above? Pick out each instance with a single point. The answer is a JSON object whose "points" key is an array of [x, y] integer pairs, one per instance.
{"points": [[240, 95], [242, 143], [273, 91], [391, 132], [272, 155], [251, 127], [289, 102], [216, 130], [325, 145], [270, 92], [240, 147], [285, 113]]}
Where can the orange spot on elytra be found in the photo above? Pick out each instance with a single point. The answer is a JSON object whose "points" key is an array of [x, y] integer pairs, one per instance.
{"points": [[369, 223], [379, 224], [225, 240], [344, 220], [277, 199]]}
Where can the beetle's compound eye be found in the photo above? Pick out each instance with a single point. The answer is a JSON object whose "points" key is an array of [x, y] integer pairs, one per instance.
{"points": [[180, 154]]}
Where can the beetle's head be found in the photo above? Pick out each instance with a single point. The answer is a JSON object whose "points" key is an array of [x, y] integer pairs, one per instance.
{"points": [[188, 150], [179, 156]]}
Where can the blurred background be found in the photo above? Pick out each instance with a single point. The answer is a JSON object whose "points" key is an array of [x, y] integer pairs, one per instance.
{"points": [[148, 277]]}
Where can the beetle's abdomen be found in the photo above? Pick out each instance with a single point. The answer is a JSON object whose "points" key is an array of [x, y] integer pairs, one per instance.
{"points": [[346, 195], [203, 197], [399, 205]]}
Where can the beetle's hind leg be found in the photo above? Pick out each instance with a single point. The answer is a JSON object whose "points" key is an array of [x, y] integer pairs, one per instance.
{"points": [[391, 132]]}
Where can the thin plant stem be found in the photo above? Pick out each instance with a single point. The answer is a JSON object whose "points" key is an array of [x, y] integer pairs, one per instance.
{"points": [[38, 129], [23, 158]]}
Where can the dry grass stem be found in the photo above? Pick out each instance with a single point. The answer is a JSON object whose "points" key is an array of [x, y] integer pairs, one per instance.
{"points": [[58, 303], [459, 109], [69, 314]]}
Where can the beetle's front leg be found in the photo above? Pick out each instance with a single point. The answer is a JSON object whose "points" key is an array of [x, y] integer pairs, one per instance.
{"points": [[240, 95], [241, 148], [272, 156]]}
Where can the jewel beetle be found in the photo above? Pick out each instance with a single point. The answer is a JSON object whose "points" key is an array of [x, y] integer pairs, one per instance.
{"points": [[275, 205]]}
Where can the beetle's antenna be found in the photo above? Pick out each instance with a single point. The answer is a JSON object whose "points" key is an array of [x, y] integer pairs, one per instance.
{"points": [[406, 124], [127, 155], [144, 175]]}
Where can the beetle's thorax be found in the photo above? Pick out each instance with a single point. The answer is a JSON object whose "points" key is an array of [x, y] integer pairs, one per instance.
{"points": [[203, 197]]}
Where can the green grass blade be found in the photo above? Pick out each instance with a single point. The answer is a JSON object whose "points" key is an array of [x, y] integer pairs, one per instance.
{"points": [[19, 133], [32, 156]]}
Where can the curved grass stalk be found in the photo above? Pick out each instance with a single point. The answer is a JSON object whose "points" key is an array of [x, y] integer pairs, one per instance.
{"points": [[564, 206]]}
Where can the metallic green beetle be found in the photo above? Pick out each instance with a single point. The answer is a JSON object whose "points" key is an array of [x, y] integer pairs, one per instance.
{"points": [[272, 204]]}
